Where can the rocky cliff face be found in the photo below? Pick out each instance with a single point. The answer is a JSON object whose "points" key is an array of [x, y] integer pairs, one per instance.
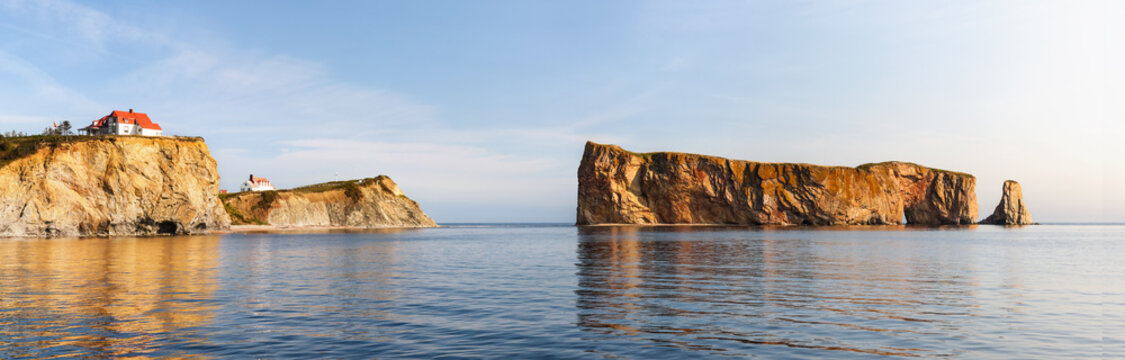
{"points": [[616, 186], [120, 185], [1011, 210], [374, 202]]}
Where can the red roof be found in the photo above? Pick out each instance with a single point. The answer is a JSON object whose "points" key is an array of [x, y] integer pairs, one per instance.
{"points": [[258, 180], [126, 117]]}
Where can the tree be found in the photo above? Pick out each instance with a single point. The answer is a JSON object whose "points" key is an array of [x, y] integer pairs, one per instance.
{"points": [[58, 129]]}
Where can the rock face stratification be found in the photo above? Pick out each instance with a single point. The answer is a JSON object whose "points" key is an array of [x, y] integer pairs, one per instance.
{"points": [[616, 186], [1011, 210], [108, 185], [367, 203]]}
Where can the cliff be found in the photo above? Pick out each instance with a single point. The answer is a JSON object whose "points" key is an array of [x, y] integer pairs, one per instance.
{"points": [[107, 185], [616, 186], [1011, 210], [372, 202]]}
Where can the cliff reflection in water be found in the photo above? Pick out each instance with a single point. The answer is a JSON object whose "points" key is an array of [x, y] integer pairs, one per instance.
{"points": [[104, 297], [712, 289], [548, 291]]}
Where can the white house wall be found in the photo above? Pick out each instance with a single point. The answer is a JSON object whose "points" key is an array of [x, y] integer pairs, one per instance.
{"points": [[246, 186], [113, 127]]}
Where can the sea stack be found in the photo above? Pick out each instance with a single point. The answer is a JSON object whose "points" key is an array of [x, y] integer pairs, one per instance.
{"points": [[616, 186], [1011, 210]]}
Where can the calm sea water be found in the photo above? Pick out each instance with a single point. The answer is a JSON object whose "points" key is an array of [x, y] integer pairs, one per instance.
{"points": [[488, 291]]}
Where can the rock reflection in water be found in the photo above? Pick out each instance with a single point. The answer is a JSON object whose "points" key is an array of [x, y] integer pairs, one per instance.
{"points": [[547, 291], [104, 297], [704, 289]]}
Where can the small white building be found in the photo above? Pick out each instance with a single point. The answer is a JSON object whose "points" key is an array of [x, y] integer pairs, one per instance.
{"points": [[257, 184], [124, 123]]}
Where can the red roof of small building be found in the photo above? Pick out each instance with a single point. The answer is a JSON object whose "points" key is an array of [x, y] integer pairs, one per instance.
{"points": [[127, 117], [258, 180]]}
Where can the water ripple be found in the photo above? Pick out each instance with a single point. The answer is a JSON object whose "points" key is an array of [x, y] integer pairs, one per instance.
{"points": [[564, 292]]}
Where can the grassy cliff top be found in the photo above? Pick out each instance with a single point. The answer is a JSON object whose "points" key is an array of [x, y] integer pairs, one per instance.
{"points": [[868, 166], [333, 185], [262, 200], [15, 148], [671, 154], [345, 185]]}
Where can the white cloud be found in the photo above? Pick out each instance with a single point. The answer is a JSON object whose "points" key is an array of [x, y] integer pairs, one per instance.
{"points": [[1041, 87], [290, 119], [436, 175], [77, 25], [39, 85], [456, 158], [24, 120]]}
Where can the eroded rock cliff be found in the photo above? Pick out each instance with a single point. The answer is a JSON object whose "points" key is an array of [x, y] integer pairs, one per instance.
{"points": [[1011, 210], [616, 186], [108, 185], [371, 203]]}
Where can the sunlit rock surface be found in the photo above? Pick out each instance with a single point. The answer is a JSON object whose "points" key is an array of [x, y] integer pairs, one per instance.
{"points": [[1011, 210], [616, 186], [108, 185], [367, 203]]}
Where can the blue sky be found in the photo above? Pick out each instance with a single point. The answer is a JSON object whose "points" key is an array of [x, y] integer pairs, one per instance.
{"points": [[479, 110]]}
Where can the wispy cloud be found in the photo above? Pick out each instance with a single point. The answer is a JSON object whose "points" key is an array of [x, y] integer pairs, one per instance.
{"points": [[292, 119], [429, 172], [24, 120], [38, 88], [769, 81], [76, 25]]}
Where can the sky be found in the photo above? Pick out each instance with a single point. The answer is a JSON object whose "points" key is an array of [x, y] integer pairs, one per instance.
{"points": [[479, 110]]}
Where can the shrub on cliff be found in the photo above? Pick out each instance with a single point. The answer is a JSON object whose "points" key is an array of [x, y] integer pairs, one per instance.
{"points": [[351, 190], [237, 218], [14, 148], [267, 199]]}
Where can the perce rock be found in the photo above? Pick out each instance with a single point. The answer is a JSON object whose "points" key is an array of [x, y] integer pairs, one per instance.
{"points": [[616, 186], [368, 203], [108, 185], [1011, 210]]}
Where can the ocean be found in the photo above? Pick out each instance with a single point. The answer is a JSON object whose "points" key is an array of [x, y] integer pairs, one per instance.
{"points": [[559, 291]]}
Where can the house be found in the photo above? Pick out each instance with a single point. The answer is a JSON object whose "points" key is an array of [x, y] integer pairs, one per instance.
{"points": [[257, 184], [124, 123]]}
